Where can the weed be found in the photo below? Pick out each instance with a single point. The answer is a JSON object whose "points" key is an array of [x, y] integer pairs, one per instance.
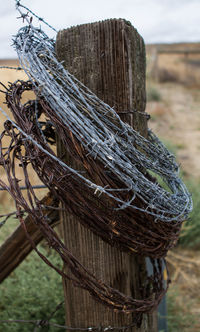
{"points": [[32, 292], [169, 145], [179, 317], [153, 94], [180, 146], [166, 75], [10, 225], [153, 118], [190, 236]]}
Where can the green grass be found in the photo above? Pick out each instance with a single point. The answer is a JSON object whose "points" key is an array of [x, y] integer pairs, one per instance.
{"points": [[180, 146], [32, 292], [170, 146], [190, 236], [178, 320], [6, 229], [153, 94]]}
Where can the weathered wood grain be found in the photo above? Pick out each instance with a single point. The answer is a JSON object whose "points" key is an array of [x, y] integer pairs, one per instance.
{"points": [[17, 246], [108, 57]]}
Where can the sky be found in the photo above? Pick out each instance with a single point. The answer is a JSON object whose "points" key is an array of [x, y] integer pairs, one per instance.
{"points": [[158, 21]]}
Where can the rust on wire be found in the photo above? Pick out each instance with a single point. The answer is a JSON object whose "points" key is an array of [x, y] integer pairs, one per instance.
{"points": [[116, 196], [121, 228]]}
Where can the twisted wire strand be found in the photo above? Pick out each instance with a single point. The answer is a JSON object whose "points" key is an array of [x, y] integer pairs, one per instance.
{"points": [[126, 206], [80, 275], [10, 67], [19, 5], [101, 132]]}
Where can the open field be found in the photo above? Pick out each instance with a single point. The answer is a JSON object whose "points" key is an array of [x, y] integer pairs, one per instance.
{"points": [[176, 118], [176, 62], [174, 107]]}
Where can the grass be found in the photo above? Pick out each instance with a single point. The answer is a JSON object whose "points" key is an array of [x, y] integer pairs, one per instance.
{"points": [[153, 94], [10, 224], [173, 147], [178, 320], [32, 292], [190, 236], [180, 146]]}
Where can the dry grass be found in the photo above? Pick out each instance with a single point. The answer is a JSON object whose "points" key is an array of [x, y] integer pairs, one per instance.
{"points": [[177, 119], [7, 75], [158, 110], [183, 67], [184, 290]]}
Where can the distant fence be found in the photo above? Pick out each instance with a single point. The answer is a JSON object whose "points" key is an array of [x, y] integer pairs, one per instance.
{"points": [[175, 64]]}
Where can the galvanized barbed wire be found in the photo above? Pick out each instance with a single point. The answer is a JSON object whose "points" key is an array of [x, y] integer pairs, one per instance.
{"points": [[119, 227], [46, 322], [19, 5], [39, 186], [118, 198], [153, 290], [36, 53], [101, 132], [10, 67]]}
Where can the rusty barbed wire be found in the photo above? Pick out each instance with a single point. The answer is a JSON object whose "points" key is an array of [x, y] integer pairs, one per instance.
{"points": [[85, 206], [117, 196], [98, 128], [46, 322], [69, 190], [6, 216]]}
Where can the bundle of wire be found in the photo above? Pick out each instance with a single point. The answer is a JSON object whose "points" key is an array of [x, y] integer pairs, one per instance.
{"points": [[105, 138], [116, 193]]}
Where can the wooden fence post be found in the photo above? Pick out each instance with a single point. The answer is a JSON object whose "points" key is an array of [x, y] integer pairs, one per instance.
{"points": [[108, 57], [155, 66]]}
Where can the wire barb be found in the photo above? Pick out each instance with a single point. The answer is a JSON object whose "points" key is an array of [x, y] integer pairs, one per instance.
{"points": [[24, 16], [131, 210]]}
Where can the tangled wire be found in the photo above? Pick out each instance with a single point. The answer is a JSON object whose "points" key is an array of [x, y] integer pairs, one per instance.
{"points": [[117, 227], [103, 137], [116, 195]]}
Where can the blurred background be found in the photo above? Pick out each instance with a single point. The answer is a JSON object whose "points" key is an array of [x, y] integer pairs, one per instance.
{"points": [[171, 32]]}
